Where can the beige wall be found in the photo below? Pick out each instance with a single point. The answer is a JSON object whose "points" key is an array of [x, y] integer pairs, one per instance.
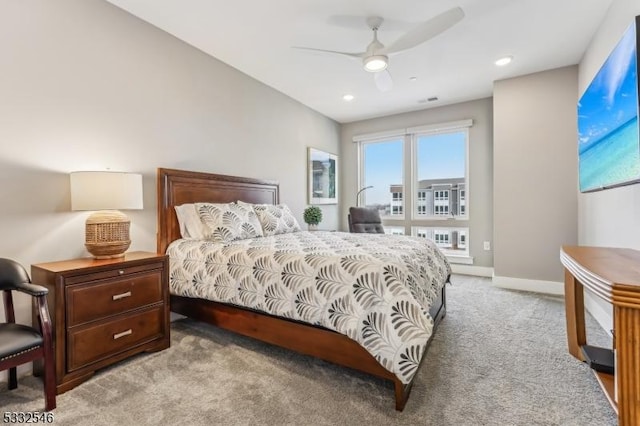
{"points": [[535, 173], [84, 85], [480, 163]]}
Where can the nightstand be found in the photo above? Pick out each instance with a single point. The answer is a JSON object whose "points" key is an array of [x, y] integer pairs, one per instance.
{"points": [[104, 311]]}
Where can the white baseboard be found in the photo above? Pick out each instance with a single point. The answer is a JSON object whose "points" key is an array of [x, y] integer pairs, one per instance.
{"points": [[478, 271], [604, 318], [536, 286]]}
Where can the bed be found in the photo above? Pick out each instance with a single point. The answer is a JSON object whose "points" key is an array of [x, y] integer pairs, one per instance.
{"points": [[290, 329]]}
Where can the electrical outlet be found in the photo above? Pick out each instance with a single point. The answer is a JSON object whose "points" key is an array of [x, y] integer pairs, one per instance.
{"points": [[487, 245]]}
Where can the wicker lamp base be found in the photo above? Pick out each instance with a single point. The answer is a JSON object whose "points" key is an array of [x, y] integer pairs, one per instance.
{"points": [[107, 234]]}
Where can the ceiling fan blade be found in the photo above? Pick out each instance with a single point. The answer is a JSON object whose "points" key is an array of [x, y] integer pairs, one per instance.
{"points": [[383, 81], [426, 30], [335, 52]]}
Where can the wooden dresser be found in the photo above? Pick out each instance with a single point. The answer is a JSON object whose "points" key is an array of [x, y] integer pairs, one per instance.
{"points": [[104, 311], [612, 274]]}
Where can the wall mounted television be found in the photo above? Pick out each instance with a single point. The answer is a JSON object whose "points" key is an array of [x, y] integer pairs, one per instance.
{"points": [[608, 133]]}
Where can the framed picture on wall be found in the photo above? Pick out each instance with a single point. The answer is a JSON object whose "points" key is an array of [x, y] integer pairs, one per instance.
{"points": [[323, 177]]}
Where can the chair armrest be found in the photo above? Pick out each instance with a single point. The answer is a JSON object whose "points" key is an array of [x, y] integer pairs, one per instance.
{"points": [[32, 289]]}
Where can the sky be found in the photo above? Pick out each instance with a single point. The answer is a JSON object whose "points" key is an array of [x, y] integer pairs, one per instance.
{"points": [[612, 97], [439, 156]]}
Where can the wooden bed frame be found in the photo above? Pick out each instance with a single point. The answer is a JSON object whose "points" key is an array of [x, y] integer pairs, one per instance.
{"points": [[177, 187]]}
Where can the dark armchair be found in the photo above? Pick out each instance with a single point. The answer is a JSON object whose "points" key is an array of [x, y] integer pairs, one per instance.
{"points": [[19, 343], [365, 220]]}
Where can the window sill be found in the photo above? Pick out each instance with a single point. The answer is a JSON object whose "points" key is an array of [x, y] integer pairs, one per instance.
{"points": [[441, 218], [464, 260]]}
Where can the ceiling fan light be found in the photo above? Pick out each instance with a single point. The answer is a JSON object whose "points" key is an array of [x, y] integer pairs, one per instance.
{"points": [[375, 63]]}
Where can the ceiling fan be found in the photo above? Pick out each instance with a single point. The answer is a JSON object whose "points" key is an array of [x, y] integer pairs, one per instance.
{"points": [[376, 58]]}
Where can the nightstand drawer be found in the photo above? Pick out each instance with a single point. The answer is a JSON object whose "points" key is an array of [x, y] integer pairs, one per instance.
{"points": [[95, 301], [112, 273], [94, 343]]}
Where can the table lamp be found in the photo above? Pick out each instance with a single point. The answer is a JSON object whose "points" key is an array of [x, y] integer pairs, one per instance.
{"points": [[107, 230]]}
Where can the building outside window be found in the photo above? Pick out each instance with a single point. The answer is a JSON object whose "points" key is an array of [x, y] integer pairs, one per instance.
{"points": [[462, 239], [394, 230], [452, 241]]}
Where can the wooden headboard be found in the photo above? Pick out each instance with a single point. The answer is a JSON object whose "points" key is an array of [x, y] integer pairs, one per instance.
{"points": [[176, 187]]}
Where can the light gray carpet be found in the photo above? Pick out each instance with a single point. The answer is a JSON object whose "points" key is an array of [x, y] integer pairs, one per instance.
{"points": [[498, 358]]}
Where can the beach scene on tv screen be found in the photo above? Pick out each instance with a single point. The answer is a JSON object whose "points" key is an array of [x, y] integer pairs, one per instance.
{"points": [[608, 146]]}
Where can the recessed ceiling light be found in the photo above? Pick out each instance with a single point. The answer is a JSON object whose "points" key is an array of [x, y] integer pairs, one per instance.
{"points": [[504, 61], [413, 78], [348, 98]]}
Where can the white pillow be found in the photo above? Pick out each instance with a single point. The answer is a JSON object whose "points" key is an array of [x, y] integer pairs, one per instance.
{"points": [[228, 222], [191, 227]]}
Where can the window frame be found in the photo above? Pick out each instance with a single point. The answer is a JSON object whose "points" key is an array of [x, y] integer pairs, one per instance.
{"points": [[410, 219]]}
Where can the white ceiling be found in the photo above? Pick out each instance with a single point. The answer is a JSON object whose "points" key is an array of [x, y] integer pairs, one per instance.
{"points": [[256, 36]]}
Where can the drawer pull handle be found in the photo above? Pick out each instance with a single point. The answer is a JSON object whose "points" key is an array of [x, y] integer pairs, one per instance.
{"points": [[124, 333], [121, 272], [121, 295]]}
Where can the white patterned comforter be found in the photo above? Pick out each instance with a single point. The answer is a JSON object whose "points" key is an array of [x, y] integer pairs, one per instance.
{"points": [[376, 289]]}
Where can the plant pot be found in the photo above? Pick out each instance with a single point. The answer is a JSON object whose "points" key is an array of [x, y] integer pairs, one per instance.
{"points": [[312, 226]]}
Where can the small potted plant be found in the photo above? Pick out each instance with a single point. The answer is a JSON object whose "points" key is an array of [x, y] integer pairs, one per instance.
{"points": [[312, 217]]}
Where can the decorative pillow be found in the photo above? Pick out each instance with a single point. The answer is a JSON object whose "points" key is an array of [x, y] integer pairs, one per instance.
{"points": [[229, 222], [276, 219], [191, 226]]}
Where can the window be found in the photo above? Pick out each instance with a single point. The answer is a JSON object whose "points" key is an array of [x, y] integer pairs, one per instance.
{"points": [[462, 202], [452, 241], [441, 165], [394, 230], [441, 203], [420, 181], [382, 167]]}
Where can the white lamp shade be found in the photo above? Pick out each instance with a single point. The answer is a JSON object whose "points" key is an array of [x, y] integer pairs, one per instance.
{"points": [[106, 191]]}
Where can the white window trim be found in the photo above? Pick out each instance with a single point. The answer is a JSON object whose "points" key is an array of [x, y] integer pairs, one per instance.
{"points": [[380, 136], [400, 133], [441, 127]]}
